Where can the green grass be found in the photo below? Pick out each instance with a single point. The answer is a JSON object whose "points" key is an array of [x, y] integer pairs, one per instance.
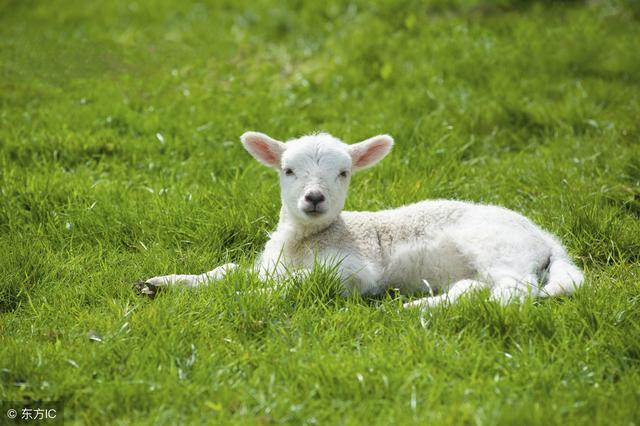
{"points": [[120, 159]]}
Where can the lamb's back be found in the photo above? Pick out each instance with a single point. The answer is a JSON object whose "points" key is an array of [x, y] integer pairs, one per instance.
{"points": [[410, 222]]}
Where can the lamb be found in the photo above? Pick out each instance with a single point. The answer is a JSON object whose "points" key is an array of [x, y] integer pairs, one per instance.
{"points": [[452, 247]]}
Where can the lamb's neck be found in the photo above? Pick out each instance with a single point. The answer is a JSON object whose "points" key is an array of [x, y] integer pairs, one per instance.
{"points": [[294, 232]]}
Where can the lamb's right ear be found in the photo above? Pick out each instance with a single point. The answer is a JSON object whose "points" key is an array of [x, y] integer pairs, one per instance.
{"points": [[266, 150]]}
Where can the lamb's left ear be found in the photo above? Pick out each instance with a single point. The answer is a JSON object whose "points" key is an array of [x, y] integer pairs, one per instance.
{"points": [[266, 150], [368, 152]]}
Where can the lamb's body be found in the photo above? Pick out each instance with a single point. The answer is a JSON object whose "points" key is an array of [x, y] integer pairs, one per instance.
{"points": [[441, 242], [445, 245]]}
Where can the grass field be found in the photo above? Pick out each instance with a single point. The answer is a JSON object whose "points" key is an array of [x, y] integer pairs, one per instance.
{"points": [[120, 159]]}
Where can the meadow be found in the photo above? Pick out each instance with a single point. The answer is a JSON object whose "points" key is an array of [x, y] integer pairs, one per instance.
{"points": [[120, 159]]}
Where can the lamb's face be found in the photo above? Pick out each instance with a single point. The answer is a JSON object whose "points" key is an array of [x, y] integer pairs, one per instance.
{"points": [[315, 170], [314, 178]]}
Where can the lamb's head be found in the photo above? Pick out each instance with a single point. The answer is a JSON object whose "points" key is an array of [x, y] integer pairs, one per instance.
{"points": [[315, 170]]}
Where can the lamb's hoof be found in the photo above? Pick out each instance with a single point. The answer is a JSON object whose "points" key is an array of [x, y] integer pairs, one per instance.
{"points": [[145, 288]]}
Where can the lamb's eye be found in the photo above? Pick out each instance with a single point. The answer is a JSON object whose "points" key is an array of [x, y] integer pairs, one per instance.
{"points": [[343, 174], [288, 172]]}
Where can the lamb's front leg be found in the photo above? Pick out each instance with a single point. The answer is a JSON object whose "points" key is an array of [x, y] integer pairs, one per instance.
{"points": [[152, 285]]}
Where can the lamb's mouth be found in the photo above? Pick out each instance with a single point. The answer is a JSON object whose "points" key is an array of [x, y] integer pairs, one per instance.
{"points": [[313, 212]]}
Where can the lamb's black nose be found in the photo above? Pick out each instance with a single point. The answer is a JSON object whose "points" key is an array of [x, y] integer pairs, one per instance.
{"points": [[314, 197]]}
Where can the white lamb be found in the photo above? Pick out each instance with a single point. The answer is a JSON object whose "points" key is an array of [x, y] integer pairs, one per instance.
{"points": [[448, 246]]}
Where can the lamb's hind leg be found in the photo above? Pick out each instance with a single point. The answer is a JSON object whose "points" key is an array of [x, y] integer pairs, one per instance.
{"points": [[507, 288], [152, 285], [455, 291]]}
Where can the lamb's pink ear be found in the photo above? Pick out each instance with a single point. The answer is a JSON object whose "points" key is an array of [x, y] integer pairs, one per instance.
{"points": [[266, 150], [367, 153]]}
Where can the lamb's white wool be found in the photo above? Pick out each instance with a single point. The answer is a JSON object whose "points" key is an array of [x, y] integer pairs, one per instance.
{"points": [[449, 246]]}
